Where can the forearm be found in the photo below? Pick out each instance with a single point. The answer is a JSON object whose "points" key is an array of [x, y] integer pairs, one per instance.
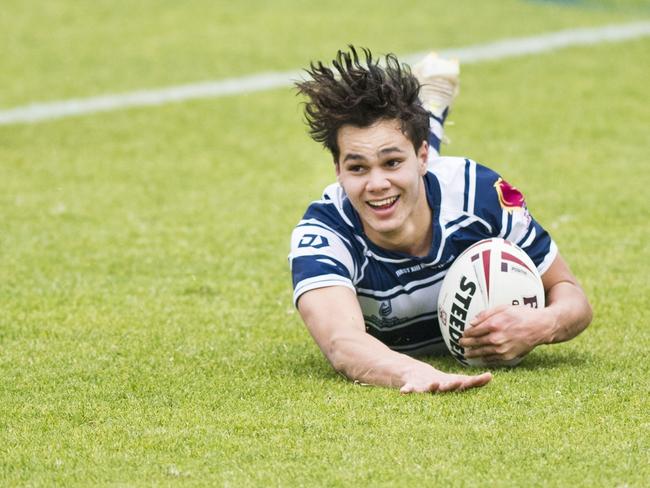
{"points": [[569, 310], [351, 350], [335, 321], [363, 358]]}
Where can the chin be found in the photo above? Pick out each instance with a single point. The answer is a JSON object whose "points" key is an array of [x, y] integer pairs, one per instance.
{"points": [[384, 227]]}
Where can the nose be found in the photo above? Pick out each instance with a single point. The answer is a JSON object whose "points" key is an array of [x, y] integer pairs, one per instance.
{"points": [[377, 181]]}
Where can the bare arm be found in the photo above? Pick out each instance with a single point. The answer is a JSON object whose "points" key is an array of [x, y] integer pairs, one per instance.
{"points": [[505, 332], [566, 302], [335, 321]]}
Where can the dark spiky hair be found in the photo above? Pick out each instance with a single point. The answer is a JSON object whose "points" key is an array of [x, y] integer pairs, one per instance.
{"points": [[359, 93]]}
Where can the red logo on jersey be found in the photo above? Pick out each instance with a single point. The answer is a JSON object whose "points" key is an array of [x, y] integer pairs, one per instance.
{"points": [[509, 197]]}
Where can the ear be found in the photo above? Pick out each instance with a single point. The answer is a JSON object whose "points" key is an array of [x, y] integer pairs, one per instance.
{"points": [[337, 168], [423, 158]]}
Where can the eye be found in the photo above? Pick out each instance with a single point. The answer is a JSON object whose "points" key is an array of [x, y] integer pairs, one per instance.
{"points": [[355, 168], [393, 163]]}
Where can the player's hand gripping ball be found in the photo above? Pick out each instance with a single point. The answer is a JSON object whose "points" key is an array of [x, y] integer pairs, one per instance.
{"points": [[491, 272]]}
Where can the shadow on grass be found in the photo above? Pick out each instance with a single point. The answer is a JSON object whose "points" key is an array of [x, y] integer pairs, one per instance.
{"points": [[536, 361], [302, 361], [556, 360]]}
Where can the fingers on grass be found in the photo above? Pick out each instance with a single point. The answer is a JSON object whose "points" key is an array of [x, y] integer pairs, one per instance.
{"points": [[451, 385], [465, 382], [484, 379]]}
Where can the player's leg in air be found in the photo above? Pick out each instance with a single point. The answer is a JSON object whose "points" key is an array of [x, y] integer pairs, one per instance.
{"points": [[440, 80]]}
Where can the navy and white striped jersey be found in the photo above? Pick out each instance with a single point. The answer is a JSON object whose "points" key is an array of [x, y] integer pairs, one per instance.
{"points": [[397, 292]]}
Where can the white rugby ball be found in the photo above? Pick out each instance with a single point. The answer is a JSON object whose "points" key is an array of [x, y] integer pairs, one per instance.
{"points": [[489, 273]]}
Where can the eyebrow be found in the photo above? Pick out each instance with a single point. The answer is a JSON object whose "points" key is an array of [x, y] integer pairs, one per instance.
{"points": [[382, 152]]}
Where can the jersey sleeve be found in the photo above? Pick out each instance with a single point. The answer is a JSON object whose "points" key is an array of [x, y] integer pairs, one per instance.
{"points": [[504, 207], [319, 257]]}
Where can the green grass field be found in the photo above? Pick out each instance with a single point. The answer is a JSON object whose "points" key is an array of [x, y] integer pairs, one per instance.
{"points": [[147, 335]]}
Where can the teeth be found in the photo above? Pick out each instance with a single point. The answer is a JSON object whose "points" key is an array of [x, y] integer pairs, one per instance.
{"points": [[382, 203]]}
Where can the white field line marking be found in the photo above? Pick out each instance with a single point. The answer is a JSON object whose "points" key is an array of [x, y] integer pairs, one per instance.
{"points": [[263, 81]]}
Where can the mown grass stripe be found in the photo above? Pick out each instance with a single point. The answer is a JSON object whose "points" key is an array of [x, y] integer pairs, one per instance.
{"points": [[263, 81]]}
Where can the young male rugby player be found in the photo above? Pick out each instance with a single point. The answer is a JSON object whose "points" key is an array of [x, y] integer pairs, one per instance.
{"points": [[368, 259]]}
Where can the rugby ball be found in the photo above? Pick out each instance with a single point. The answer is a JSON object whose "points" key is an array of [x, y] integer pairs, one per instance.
{"points": [[489, 273]]}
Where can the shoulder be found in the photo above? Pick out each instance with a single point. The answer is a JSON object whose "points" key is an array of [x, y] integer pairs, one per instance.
{"points": [[471, 192], [323, 246], [466, 189], [449, 168], [326, 228], [462, 175], [329, 213]]}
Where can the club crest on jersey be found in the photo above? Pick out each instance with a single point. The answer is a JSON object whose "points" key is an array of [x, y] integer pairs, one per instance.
{"points": [[385, 308], [510, 198]]}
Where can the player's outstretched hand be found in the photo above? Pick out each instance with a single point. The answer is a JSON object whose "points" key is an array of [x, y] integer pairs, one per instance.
{"points": [[427, 379], [505, 332]]}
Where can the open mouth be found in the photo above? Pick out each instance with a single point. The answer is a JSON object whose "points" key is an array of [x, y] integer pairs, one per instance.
{"points": [[383, 204]]}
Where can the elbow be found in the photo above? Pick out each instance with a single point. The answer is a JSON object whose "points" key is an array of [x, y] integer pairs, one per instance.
{"points": [[336, 359], [588, 314], [337, 355], [583, 319], [585, 313]]}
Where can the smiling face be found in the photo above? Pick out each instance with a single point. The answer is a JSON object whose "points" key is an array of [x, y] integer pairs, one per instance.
{"points": [[381, 174]]}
